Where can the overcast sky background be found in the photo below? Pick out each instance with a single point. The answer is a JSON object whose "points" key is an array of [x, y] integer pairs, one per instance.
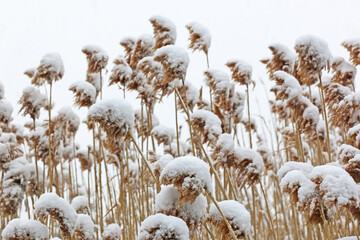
{"points": [[239, 29]]}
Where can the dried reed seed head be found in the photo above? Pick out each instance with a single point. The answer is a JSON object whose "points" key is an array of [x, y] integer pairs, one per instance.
{"points": [[6, 110], [96, 57], [354, 135], [112, 232], [116, 147], [129, 45], [207, 124], [31, 102], [241, 71], [160, 163], [237, 216], [86, 159], [51, 69], [121, 72], [60, 210], [167, 202], [353, 47], [164, 32], [246, 122], [116, 117], [174, 60], [163, 134], [189, 94], [200, 38], [249, 167], [84, 227], [11, 199], [5, 156], [343, 105], [336, 187], [152, 70], [346, 152], [24, 229], [190, 175], [283, 59], [344, 73], [160, 226], [30, 72], [142, 49], [313, 56], [223, 154], [68, 120], [185, 148], [84, 93]]}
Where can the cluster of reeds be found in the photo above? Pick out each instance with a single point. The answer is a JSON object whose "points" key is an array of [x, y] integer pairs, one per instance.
{"points": [[219, 170]]}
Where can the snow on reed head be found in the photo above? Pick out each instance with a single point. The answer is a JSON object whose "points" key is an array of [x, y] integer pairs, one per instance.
{"points": [[174, 60], [143, 48], [30, 72], [344, 72], [152, 70], [68, 119], [305, 112], [207, 124], [94, 79], [190, 175], [84, 227], [305, 168], [84, 93], [51, 69], [241, 71], [128, 43], [2, 91], [299, 186], [59, 209], [163, 134], [200, 38], [304, 195], [283, 59], [164, 32], [86, 160], [6, 110], [18, 173], [116, 117], [80, 204], [250, 166], [24, 229], [353, 46], [336, 186], [237, 216], [349, 157], [313, 56], [112, 232], [247, 163], [96, 57], [4, 154], [31, 101], [343, 104], [189, 92], [217, 80], [185, 148], [193, 213], [121, 72], [160, 226]]}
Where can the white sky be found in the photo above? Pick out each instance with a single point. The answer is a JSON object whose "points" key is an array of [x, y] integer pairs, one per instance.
{"points": [[240, 29]]}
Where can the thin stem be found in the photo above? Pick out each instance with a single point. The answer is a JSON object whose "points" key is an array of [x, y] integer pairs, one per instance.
{"points": [[177, 126], [158, 187], [248, 107]]}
